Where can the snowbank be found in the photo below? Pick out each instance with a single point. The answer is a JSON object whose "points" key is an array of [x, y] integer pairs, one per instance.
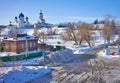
{"points": [[7, 54], [24, 75], [104, 53], [79, 49], [62, 56]]}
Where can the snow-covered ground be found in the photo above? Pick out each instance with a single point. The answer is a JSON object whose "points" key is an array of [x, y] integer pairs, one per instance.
{"points": [[105, 53], [26, 73], [22, 74], [97, 42]]}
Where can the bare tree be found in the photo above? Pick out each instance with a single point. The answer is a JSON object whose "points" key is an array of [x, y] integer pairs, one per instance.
{"points": [[70, 33], [35, 33], [118, 29], [108, 29], [85, 33], [108, 18], [51, 31], [42, 36], [1, 46], [107, 33]]}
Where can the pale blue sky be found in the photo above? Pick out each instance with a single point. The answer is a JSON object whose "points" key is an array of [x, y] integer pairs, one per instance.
{"points": [[57, 11]]}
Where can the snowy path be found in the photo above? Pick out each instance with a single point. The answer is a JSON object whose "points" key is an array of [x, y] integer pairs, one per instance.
{"points": [[87, 68]]}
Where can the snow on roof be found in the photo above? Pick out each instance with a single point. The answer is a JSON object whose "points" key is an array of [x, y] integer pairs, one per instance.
{"points": [[22, 38], [29, 31]]}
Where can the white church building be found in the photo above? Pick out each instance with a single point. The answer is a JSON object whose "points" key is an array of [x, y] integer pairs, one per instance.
{"points": [[21, 22], [41, 22]]}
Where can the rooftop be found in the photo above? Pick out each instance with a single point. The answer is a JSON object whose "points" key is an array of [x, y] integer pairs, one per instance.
{"points": [[20, 37]]}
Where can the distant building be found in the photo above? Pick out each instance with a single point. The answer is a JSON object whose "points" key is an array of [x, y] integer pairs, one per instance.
{"points": [[98, 26], [62, 25], [12, 30], [3, 26], [41, 22], [20, 43], [21, 22]]}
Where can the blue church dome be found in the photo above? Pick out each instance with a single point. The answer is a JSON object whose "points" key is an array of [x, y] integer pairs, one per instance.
{"points": [[21, 15], [26, 17], [15, 17]]}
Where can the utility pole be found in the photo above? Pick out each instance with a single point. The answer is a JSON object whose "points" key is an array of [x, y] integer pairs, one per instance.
{"points": [[26, 47]]}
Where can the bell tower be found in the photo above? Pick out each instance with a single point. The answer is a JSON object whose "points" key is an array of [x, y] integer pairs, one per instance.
{"points": [[41, 19]]}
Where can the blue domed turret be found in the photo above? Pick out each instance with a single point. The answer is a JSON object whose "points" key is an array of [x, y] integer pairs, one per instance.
{"points": [[15, 17], [26, 17], [10, 23], [21, 15]]}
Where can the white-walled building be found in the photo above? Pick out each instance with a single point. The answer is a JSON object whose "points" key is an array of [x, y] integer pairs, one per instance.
{"points": [[98, 26], [21, 22], [41, 22]]}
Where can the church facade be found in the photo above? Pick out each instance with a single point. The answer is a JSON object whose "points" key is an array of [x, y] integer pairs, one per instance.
{"points": [[41, 22], [21, 22]]}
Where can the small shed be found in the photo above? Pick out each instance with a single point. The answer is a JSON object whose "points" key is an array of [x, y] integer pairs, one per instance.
{"points": [[58, 47]]}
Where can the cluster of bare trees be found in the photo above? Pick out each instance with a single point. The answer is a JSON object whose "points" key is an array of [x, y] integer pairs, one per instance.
{"points": [[83, 32], [78, 34], [108, 33]]}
